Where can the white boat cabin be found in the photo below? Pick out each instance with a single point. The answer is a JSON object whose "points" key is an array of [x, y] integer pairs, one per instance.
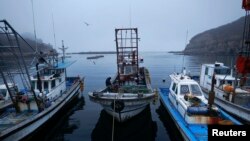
{"points": [[181, 91], [223, 76], [4, 94], [53, 82], [182, 85], [225, 83]]}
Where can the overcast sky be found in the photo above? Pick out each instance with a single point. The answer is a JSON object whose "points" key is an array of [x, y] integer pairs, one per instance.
{"points": [[162, 24]]}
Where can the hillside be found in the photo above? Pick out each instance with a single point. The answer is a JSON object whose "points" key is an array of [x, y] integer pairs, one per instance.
{"points": [[225, 39], [27, 50]]}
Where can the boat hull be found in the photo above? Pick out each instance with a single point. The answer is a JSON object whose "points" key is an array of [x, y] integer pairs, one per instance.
{"points": [[123, 109], [28, 126], [236, 110]]}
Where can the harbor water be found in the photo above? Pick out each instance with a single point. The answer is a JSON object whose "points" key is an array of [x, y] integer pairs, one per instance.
{"points": [[86, 121]]}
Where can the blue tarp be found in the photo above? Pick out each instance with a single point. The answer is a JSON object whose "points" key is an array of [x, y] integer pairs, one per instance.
{"points": [[64, 64]]}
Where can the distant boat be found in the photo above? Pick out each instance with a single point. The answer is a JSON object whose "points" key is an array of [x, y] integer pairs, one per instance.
{"points": [[238, 105], [95, 57], [37, 97], [130, 91], [189, 109]]}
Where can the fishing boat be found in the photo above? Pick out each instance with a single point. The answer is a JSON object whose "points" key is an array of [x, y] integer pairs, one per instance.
{"points": [[95, 57], [130, 91], [229, 95], [190, 110], [38, 93], [232, 93]]}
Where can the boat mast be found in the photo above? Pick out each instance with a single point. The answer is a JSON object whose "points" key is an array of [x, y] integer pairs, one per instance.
{"points": [[211, 94], [127, 54], [10, 92], [63, 50]]}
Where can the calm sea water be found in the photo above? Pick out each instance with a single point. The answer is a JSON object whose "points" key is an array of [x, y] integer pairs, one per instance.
{"points": [[87, 121]]}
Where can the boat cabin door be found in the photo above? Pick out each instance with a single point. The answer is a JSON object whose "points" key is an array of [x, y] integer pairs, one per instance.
{"points": [[173, 93]]}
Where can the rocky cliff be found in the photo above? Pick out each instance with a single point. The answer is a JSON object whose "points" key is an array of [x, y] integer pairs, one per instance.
{"points": [[226, 39]]}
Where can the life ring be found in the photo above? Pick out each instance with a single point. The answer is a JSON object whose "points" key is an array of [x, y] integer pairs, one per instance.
{"points": [[117, 105]]}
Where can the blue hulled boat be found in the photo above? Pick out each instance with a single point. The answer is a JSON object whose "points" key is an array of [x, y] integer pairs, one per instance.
{"points": [[190, 110]]}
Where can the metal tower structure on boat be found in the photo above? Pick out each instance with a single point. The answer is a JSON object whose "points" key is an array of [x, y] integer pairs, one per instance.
{"points": [[12, 63], [127, 54], [243, 58]]}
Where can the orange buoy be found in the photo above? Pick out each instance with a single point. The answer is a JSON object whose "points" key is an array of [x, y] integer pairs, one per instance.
{"points": [[225, 122], [228, 88]]}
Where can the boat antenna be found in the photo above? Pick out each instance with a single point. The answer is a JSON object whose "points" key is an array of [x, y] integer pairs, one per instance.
{"points": [[34, 24], [183, 56], [54, 30], [130, 15], [53, 48]]}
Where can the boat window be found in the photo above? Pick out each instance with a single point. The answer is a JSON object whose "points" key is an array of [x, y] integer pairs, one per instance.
{"points": [[53, 83], [184, 89], [173, 87], [176, 91], [52, 71], [3, 92], [222, 71], [230, 82], [206, 71], [45, 85], [46, 71], [195, 90], [33, 84], [222, 82]]}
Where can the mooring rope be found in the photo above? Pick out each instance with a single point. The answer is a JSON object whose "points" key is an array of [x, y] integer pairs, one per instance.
{"points": [[113, 124]]}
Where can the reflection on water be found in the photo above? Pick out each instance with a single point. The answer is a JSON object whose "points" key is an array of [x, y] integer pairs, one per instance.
{"points": [[168, 123], [139, 128], [62, 124]]}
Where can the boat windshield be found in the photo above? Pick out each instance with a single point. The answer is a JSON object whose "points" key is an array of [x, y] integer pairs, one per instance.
{"points": [[222, 71], [193, 88]]}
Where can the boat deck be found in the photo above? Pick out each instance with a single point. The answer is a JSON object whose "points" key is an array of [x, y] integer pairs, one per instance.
{"points": [[135, 89], [11, 118], [5, 104]]}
